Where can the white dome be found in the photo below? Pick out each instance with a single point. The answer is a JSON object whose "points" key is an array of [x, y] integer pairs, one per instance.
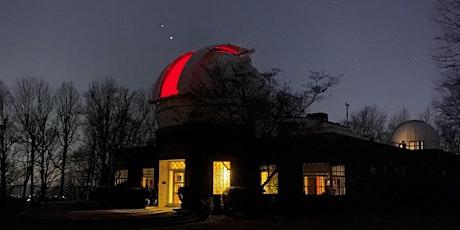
{"points": [[187, 70], [416, 135], [171, 90]]}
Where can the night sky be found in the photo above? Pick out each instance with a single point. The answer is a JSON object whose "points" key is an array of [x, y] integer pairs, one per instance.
{"points": [[382, 47]]}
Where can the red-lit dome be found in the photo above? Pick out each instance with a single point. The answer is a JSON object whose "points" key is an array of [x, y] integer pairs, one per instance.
{"points": [[187, 70]]}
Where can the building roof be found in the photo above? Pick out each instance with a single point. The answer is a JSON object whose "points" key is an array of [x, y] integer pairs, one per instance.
{"points": [[416, 131], [187, 70]]}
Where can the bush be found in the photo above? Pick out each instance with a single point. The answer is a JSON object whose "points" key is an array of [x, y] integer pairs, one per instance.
{"points": [[235, 200], [99, 193], [130, 198], [190, 201]]}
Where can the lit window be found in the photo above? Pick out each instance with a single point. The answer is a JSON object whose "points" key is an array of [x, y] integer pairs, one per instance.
{"points": [[320, 185], [315, 185], [338, 180], [305, 185], [176, 165], [269, 179], [322, 178], [148, 177], [221, 174], [176, 180], [121, 176], [416, 145]]}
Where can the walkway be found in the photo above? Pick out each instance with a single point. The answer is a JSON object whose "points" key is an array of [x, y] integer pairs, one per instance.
{"points": [[149, 217], [148, 212]]}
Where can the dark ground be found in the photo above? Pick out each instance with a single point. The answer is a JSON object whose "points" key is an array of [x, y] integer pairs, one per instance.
{"points": [[327, 222], [55, 218]]}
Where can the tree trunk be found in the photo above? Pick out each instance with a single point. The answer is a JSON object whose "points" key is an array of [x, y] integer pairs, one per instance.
{"points": [[64, 155], [3, 168], [32, 162]]}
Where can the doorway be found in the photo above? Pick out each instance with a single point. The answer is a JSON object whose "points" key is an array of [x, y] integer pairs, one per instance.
{"points": [[171, 178]]}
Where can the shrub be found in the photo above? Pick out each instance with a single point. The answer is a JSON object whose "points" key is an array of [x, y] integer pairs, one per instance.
{"points": [[235, 200]]}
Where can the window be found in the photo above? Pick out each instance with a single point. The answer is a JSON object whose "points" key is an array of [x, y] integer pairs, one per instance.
{"points": [[320, 185], [416, 145], [338, 180], [269, 179], [148, 177], [121, 176], [305, 185], [221, 176], [315, 177], [176, 180], [322, 178], [176, 165]]}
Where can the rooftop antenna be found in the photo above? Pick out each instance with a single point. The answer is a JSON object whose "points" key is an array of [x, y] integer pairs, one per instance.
{"points": [[347, 105]]}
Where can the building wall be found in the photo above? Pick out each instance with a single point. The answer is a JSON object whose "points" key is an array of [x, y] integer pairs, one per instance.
{"points": [[375, 173]]}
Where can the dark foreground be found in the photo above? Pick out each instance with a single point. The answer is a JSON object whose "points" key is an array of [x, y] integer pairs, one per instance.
{"points": [[168, 219], [232, 222], [324, 222]]}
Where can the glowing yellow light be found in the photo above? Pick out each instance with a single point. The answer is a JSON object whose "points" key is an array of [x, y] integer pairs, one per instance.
{"points": [[271, 186], [221, 176]]}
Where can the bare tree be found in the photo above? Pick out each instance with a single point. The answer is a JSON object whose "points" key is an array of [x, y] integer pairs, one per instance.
{"points": [[398, 118], [236, 93], [447, 54], [369, 121], [47, 157], [7, 139], [47, 134], [68, 105], [447, 58], [429, 115], [25, 107], [32, 100], [100, 120], [82, 173], [450, 137], [142, 120], [115, 118]]}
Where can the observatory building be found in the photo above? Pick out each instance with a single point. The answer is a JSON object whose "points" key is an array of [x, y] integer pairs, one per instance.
{"points": [[416, 135], [309, 158], [171, 92]]}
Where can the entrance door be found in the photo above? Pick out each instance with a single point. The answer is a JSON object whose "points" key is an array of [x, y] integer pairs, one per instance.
{"points": [[177, 182], [171, 177]]}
